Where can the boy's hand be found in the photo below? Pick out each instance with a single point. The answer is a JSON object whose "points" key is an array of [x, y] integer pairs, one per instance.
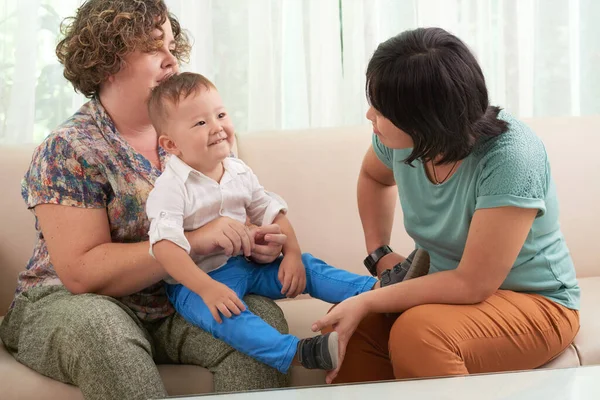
{"points": [[219, 297], [292, 275], [269, 241], [222, 234]]}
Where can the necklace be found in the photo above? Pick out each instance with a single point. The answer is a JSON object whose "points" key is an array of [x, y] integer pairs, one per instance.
{"points": [[438, 182]]}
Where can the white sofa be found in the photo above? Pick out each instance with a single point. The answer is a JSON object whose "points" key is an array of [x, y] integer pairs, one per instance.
{"points": [[316, 172]]}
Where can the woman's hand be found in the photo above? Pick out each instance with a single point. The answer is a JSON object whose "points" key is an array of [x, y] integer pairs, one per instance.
{"points": [[263, 244], [269, 241], [222, 234], [344, 318]]}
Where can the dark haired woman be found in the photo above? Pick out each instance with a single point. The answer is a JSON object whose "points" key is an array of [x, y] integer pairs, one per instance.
{"points": [[478, 197]]}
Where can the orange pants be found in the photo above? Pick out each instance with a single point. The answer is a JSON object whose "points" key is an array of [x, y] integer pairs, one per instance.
{"points": [[508, 331]]}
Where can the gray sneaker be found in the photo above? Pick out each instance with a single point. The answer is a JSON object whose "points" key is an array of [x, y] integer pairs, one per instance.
{"points": [[319, 352], [415, 265]]}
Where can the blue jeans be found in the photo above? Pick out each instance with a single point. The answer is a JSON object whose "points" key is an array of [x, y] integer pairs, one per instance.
{"points": [[247, 332]]}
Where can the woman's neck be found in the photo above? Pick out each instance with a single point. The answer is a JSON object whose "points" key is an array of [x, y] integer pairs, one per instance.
{"points": [[130, 117], [439, 173], [133, 124]]}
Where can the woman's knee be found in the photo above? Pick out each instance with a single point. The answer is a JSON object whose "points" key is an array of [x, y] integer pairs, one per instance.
{"points": [[417, 343], [96, 322], [269, 311], [82, 336]]}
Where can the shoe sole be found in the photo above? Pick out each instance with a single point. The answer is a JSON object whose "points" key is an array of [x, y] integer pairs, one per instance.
{"points": [[332, 347], [419, 265]]}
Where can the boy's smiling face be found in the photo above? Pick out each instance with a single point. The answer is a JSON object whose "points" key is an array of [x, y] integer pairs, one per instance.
{"points": [[199, 130]]}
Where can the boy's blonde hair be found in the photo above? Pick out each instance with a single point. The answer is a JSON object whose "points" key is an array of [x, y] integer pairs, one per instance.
{"points": [[170, 92]]}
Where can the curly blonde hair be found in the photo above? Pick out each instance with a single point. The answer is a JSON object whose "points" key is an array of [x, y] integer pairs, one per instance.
{"points": [[103, 31]]}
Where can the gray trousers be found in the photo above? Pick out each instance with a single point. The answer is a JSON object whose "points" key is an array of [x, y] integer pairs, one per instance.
{"points": [[98, 344]]}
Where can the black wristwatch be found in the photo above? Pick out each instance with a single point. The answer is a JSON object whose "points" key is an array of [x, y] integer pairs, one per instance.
{"points": [[372, 259]]}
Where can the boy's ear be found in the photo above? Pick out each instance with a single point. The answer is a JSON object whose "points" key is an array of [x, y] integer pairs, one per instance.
{"points": [[168, 144]]}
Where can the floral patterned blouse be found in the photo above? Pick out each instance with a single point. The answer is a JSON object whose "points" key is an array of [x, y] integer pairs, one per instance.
{"points": [[86, 163]]}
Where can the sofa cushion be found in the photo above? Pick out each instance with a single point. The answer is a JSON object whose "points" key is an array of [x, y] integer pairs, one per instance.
{"points": [[17, 233], [567, 359], [586, 342], [20, 382]]}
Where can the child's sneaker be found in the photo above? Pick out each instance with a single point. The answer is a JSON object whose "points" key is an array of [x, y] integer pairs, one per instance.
{"points": [[415, 265], [319, 352]]}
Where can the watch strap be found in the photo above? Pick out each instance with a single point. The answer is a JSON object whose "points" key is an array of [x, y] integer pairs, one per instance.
{"points": [[372, 259]]}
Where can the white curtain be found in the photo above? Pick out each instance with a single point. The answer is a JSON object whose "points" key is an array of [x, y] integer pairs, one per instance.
{"points": [[295, 64], [34, 96]]}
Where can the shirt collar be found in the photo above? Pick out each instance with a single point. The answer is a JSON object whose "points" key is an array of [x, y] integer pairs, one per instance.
{"points": [[233, 165], [183, 171]]}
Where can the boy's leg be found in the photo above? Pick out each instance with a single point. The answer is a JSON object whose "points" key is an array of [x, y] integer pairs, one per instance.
{"points": [[246, 332], [246, 277], [323, 281], [179, 342]]}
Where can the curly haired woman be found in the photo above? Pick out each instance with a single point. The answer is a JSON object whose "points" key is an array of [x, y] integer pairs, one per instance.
{"points": [[90, 309]]}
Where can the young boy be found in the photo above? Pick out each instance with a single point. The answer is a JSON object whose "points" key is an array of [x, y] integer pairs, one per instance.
{"points": [[201, 183]]}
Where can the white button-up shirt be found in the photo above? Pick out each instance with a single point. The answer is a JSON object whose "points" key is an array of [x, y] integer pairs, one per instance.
{"points": [[184, 199]]}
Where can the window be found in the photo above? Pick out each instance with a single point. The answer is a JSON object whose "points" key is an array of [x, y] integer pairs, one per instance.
{"points": [[295, 64]]}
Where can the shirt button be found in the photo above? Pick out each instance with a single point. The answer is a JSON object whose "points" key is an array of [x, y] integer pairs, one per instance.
{"points": [[163, 214]]}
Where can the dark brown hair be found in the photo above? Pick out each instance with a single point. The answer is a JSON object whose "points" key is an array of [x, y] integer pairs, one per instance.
{"points": [[104, 31], [170, 92], [428, 84]]}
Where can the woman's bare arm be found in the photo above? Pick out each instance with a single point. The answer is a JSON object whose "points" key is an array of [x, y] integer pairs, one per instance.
{"points": [[87, 261], [85, 258]]}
